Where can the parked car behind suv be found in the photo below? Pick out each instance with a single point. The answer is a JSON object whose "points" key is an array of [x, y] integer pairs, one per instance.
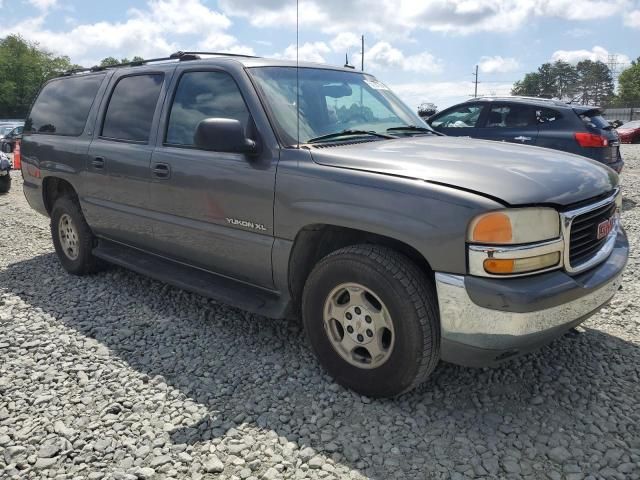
{"points": [[546, 123], [398, 246], [8, 142], [629, 132]]}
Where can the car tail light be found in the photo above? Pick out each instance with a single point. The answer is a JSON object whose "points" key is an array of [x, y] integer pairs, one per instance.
{"points": [[591, 140]]}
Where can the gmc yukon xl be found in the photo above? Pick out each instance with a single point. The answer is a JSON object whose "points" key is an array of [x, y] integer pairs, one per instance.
{"points": [[313, 191]]}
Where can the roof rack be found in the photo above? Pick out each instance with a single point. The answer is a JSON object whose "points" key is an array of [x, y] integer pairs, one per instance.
{"points": [[180, 56]]}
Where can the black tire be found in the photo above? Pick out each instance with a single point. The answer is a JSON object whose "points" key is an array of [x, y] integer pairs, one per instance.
{"points": [[85, 262], [409, 296], [5, 183], [6, 147]]}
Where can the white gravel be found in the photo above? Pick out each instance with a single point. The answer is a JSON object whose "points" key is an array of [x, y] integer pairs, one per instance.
{"points": [[118, 376]]}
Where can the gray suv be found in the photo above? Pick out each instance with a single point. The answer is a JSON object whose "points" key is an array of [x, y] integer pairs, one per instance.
{"points": [[315, 192]]}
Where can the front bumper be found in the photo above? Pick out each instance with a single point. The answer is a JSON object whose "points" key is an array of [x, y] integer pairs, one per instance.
{"points": [[486, 321]]}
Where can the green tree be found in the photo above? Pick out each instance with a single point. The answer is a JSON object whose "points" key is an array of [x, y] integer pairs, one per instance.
{"points": [[112, 61], [596, 85], [529, 86], [629, 85], [24, 67], [552, 80]]}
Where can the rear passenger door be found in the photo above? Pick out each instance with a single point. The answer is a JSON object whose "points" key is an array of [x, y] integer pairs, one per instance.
{"points": [[510, 122], [213, 210], [120, 155]]}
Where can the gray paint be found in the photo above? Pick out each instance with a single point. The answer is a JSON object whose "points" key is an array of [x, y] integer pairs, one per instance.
{"points": [[516, 174], [421, 191]]}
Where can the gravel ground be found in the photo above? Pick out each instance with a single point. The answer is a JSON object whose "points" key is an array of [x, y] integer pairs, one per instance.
{"points": [[119, 376]]}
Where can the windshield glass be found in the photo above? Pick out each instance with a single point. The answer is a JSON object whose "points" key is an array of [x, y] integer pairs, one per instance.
{"points": [[331, 101], [634, 124]]}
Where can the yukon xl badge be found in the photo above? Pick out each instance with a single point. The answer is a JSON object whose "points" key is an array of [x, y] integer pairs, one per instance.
{"points": [[604, 228], [246, 224]]}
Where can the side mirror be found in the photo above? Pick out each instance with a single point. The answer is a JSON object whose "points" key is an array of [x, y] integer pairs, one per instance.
{"points": [[223, 135]]}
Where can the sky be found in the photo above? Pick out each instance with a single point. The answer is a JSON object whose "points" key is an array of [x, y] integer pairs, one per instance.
{"points": [[424, 50]]}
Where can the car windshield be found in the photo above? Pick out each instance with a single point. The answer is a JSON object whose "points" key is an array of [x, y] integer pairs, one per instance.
{"points": [[5, 130], [634, 124], [332, 101]]}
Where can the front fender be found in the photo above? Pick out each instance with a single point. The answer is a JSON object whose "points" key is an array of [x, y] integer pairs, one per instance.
{"points": [[430, 218]]}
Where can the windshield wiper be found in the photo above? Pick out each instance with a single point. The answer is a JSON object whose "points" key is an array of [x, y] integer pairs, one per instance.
{"points": [[412, 128], [345, 133]]}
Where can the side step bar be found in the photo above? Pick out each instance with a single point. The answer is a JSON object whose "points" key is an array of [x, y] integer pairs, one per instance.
{"points": [[217, 287]]}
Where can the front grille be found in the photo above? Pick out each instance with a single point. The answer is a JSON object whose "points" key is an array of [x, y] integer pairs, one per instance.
{"points": [[584, 242]]}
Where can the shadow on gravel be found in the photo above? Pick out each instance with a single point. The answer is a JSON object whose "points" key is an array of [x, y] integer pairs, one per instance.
{"points": [[628, 204], [580, 392]]}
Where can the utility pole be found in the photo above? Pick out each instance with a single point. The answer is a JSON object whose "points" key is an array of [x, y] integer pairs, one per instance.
{"points": [[362, 55], [475, 92]]}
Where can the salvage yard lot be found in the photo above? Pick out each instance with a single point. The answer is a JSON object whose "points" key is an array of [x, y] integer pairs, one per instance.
{"points": [[119, 376]]}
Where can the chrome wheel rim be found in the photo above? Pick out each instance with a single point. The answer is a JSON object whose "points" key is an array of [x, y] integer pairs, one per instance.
{"points": [[358, 325], [68, 236]]}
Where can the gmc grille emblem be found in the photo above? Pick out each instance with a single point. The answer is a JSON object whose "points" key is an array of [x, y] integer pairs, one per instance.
{"points": [[604, 228]]}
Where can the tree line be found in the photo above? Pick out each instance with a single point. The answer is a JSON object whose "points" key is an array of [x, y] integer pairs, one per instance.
{"points": [[25, 67], [587, 83]]}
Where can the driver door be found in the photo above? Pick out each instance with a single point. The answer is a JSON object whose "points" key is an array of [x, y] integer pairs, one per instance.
{"points": [[212, 210]]}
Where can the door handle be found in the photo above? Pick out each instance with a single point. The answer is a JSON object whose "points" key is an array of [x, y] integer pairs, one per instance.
{"points": [[161, 170], [522, 138], [98, 163]]}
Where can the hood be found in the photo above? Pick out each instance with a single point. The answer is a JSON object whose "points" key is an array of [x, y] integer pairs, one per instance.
{"points": [[515, 174]]}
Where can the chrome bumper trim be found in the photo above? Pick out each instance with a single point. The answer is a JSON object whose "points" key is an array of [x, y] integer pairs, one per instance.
{"points": [[463, 321]]}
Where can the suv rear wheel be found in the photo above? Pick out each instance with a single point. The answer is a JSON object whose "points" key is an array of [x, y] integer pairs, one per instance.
{"points": [[371, 316], [72, 237]]}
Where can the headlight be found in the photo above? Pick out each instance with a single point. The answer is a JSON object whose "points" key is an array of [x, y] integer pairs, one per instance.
{"points": [[514, 226], [515, 241]]}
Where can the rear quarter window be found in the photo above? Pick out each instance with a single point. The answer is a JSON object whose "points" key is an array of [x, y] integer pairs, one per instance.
{"points": [[63, 105]]}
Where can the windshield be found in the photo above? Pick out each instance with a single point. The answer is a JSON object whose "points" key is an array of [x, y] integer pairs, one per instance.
{"points": [[634, 124], [331, 101], [5, 130]]}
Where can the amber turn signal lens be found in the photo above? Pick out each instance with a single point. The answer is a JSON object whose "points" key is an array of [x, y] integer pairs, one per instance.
{"points": [[493, 228], [499, 266]]}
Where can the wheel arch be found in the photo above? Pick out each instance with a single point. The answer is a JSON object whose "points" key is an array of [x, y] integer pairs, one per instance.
{"points": [[53, 188], [313, 242]]}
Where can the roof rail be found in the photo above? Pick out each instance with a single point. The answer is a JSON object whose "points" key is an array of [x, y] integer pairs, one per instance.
{"points": [[516, 97], [180, 56]]}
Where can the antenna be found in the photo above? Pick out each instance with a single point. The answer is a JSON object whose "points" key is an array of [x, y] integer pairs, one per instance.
{"points": [[297, 73]]}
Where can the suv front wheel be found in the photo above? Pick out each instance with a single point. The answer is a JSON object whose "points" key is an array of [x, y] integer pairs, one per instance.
{"points": [[372, 319], [72, 237]]}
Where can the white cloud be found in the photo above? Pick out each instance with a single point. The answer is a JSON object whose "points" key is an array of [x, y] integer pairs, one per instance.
{"points": [[144, 32], [498, 64], [43, 4], [402, 17], [383, 56], [597, 53], [308, 52], [632, 19], [445, 94], [344, 41]]}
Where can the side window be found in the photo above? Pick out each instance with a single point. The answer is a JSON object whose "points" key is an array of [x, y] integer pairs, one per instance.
{"points": [[546, 115], [203, 95], [131, 107], [511, 116], [63, 105], [464, 116]]}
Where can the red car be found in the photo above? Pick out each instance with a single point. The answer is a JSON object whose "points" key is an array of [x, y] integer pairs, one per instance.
{"points": [[629, 132]]}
